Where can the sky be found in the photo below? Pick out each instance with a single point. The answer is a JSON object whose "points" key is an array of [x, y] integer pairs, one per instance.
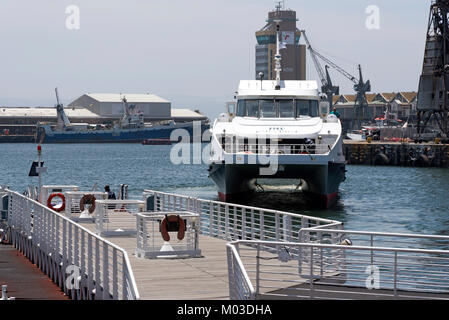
{"points": [[193, 53]]}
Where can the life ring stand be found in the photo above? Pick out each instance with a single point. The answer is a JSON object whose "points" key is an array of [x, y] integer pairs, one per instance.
{"points": [[88, 199], [56, 195], [173, 223]]}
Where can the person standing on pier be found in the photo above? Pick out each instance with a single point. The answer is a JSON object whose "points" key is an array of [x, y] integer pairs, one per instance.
{"points": [[111, 195]]}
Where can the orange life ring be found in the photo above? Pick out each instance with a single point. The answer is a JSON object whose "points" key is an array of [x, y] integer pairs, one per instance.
{"points": [[88, 199], [172, 224], [56, 195]]}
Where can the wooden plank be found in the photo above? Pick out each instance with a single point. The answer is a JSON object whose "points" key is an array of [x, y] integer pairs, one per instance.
{"points": [[24, 279], [190, 278]]}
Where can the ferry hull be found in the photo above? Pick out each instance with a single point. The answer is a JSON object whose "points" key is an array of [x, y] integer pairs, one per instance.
{"points": [[321, 182]]}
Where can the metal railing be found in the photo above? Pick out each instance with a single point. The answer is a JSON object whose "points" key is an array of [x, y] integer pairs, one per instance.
{"points": [[329, 271], [240, 286], [73, 203], [117, 217], [231, 222], [374, 239], [151, 245], [277, 148], [82, 264]]}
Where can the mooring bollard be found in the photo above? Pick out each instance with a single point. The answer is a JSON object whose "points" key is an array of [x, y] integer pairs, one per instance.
{"points": [[4, 294]]}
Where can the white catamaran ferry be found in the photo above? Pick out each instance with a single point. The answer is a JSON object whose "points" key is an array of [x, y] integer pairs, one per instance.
{"points": [[281, 130]]}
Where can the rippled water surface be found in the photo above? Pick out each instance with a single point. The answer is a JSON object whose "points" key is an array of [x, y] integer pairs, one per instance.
{"points": [[391, 199]]}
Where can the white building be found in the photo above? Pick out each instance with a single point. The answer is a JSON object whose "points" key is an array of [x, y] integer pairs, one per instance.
{"points": [[111, 105]]}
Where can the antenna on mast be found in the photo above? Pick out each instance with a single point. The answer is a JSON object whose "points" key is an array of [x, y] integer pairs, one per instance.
{"points": [[278, 58]]}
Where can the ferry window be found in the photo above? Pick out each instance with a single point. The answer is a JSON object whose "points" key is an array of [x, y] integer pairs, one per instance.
{"points": [[302, 108], [241, 108], [252, 108], [267, 109], [248, 108], [306, 108], [314, 108], [286, 109]]}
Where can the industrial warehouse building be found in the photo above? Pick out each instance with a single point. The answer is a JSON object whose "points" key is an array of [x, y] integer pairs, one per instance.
{"points": [[111, 105], [100, 108], [95, 108]]}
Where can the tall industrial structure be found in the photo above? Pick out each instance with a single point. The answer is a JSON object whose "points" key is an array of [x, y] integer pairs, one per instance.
{"points": [[434, 82], [360, 86], [293, 56]]}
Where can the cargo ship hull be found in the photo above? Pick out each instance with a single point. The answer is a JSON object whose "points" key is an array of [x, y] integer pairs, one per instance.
{"points": [[136, 135]]}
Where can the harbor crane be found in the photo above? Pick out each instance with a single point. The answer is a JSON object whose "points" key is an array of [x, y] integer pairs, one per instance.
{"points": [[360, 86], [433, 100], [63, 121]]}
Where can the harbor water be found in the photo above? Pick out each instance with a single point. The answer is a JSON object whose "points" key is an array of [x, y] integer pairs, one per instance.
{"points": [[384, 199]]}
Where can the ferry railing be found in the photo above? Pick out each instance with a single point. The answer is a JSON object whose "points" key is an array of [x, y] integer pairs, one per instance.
{"points": [[240, 286], [84, 265], [277, 148], [231, 222], [395, 273]]}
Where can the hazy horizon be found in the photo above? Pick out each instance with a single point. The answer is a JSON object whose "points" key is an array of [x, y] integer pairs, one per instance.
{"points": [[193, 53]]}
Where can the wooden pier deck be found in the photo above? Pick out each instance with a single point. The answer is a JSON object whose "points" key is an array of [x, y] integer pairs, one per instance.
{"points": [[341, 292], [25, 281], [204, 278]]}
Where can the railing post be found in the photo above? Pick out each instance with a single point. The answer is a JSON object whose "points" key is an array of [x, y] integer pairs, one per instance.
{"points": [[257, 271], [321, 263], [300, 250], [304, 223], [226, 222], [235, 232], [125, 287], [105, 272], [114, 275], [211, 220], [143, 222], [252, 224], [243, 223], [90, 272], [83, 254], [231, 271], [395, 274], [155, 202], [9, 215], [287, 227], [76, 260], [70, 252], [277, 226], [97, 269], [311, 272], [58, 234], [64, 245]]}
